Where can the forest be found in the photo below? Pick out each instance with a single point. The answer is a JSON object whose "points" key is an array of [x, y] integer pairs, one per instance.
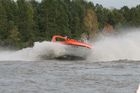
{"points": [[23, 22]]}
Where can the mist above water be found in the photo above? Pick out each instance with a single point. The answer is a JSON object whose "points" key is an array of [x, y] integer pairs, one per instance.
{"points": [[122, 46], [125, 45]]}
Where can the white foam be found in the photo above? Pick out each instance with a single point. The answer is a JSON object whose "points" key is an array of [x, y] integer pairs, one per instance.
{"points": [[39, 50]]}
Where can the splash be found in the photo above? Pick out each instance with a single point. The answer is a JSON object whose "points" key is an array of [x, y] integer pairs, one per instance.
{"points": [[40, 49], [123, 46]]}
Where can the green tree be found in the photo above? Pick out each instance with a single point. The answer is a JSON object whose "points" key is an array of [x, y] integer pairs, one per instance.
{"points": [[135, 16], [77, 12], [3, 22], [125, 11], [25, 21], [36, 12], [102, 15], [55, 18], [14, 36]]}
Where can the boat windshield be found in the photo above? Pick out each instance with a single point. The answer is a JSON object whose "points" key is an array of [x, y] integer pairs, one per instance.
{"points": [[60, 39]]}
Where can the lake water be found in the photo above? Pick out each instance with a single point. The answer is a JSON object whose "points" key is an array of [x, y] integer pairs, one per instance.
{"points": [[57, 76]]}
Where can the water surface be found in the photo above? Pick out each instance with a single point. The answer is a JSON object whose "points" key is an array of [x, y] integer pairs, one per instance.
{"points": [[57, 76]]}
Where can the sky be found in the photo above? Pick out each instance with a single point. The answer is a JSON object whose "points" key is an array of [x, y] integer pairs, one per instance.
{"points": [[115, 3]]}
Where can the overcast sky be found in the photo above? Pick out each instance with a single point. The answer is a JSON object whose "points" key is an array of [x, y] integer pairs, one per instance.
{"points": [[115, 3]]}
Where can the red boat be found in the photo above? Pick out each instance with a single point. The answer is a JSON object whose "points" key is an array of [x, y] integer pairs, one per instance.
{"points": [[81, 51], [68, 41]]}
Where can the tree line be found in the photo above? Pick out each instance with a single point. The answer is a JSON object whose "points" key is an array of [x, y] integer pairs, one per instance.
{"points": [[23, 22]]}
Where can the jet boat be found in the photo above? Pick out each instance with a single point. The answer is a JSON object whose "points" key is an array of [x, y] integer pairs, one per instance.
{"points": [[68, 41], [74, 49]]}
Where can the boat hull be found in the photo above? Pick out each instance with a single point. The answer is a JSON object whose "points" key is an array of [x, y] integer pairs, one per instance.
{"points": [[75, 52]]}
